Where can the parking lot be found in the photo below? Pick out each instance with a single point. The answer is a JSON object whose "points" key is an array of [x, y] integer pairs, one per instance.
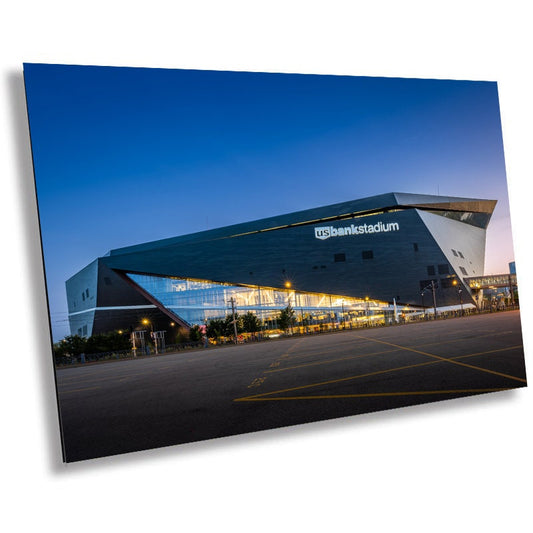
{"points": [[133, 405]]}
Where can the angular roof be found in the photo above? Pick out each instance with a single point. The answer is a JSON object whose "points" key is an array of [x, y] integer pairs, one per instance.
{"points": [[469, 210]]}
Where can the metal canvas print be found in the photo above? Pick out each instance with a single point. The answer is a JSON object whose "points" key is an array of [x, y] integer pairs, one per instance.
{"points": [[229, 252]]}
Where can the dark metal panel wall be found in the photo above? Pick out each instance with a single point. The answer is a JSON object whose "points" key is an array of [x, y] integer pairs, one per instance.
{"points": [[296, 255], [113, 290]]}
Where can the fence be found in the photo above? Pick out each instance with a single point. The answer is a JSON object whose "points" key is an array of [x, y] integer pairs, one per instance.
{"points": [[123, 354], [297, 331]]}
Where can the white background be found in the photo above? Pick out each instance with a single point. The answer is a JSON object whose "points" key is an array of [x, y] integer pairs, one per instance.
{"points": [[463, 465]]}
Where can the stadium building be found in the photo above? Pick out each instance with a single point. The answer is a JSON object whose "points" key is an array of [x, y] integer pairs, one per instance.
{"points": [[341, 263]]}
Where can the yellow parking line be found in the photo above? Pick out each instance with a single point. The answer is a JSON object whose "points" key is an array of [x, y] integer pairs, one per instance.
{"points": [[327, 361], [349, 378], [368, 395], [454, 362], [323, 352], [330, 361]]}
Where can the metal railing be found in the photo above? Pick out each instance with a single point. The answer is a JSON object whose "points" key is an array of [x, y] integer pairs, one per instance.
{"points": [[124, 354]]}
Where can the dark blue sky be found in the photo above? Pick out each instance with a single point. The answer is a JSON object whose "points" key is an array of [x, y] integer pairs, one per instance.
{"points": [[127, 155]]}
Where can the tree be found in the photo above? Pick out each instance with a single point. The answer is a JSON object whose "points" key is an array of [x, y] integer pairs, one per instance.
{"points": [[215, 328], [195, 334], [229, 330], [60, 349], [286, 318], [108, 342], [72, 345], [250, 323]]}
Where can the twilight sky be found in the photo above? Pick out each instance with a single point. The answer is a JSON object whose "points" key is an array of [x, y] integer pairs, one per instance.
{"points": [[128, 155]]}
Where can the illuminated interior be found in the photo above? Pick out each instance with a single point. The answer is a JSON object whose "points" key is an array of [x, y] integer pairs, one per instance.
{"points": [[198, 301]]}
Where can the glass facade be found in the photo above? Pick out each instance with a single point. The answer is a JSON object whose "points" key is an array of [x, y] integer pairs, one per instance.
{"points": [[198, 301], [488, 282], [480, 220]]}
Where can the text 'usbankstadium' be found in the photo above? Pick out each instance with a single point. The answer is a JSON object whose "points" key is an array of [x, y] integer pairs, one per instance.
{"points": [[331, 231]]}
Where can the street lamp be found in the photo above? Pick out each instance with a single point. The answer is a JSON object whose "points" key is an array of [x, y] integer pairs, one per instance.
{"points": [[460, 293], [147, 322], [433, 287], [288, 285]]}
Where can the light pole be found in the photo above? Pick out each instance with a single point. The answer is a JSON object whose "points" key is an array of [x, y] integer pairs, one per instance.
{"points": [[261, 314], [433, 290], [288, 285], [460, 293], [154, 337], [232, 301], [301, 313], [433, 286], [206, 338]]}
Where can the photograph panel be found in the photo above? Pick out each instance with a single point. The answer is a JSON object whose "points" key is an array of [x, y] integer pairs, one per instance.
{"points": [[229, 252]]}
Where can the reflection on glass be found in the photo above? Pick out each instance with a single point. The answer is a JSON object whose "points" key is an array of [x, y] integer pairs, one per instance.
{"points": [[196, 301]]}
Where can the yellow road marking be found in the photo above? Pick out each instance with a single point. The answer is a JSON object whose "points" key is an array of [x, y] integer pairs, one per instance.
{"points": [[310, 353], [454, 362], [325, 362], [368, 395], [329, 361], [256, 382], [348, 378]]}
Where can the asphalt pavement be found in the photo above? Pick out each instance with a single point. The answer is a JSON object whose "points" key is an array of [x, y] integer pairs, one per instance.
{"points": [[127, 406]]}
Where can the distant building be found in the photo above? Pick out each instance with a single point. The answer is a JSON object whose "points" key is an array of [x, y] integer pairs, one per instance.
{"points": [[344, 261], [512, 267]]}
